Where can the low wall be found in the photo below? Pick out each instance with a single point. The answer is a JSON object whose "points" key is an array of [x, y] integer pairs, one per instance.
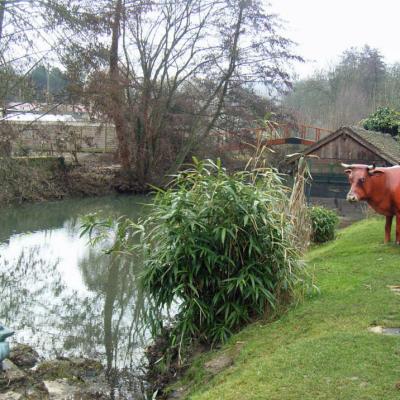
{"points": [[48, 162], [51, 136]]}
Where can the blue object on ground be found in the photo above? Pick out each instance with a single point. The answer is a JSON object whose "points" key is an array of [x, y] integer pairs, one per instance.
{"points": [[4, 346]]}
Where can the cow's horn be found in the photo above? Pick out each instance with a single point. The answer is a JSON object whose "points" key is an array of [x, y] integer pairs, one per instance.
{"points": [[347, 166]]}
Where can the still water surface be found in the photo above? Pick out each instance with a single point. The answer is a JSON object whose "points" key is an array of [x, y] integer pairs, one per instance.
{"points": [[65, 298]]}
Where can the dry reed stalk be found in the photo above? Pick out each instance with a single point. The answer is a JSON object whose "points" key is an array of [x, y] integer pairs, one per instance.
{"points": [[298, 209]]}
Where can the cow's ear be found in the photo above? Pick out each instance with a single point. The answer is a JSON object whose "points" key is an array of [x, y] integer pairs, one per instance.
{"points": [[347, 171]]}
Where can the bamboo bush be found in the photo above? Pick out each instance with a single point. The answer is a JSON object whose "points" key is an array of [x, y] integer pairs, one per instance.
{"points": [[218, 252], [221, 246]]}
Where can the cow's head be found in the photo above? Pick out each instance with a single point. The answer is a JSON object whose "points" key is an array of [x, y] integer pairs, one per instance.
{"points": [[362, 180]]}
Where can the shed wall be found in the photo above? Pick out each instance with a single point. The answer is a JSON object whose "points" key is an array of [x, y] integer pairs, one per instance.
{"points": [[329, 180]]}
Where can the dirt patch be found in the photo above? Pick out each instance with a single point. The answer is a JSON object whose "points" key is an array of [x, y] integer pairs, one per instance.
{"points": [[224, 360], [218, 364], [165, 367], [384, 331], [165, 370], [394, 288]]}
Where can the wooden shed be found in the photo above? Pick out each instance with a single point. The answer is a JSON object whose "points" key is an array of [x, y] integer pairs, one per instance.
{"points": [[349, 145]]}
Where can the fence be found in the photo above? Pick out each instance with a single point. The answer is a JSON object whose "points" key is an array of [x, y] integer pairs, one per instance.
{"points": [[50, 137]]}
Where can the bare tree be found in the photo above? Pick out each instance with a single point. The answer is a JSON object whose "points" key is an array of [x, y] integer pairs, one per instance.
{"points": [[175, 62], [24, 44]]}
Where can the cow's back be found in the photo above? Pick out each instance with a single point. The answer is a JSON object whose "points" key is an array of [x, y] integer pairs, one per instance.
{"points": [[393, 185]]}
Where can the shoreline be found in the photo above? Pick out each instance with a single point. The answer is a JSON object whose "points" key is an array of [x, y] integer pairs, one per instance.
{"points": [[37, 183]]}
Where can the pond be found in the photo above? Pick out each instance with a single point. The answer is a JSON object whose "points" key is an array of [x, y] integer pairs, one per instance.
{"points": [[66, 298]]}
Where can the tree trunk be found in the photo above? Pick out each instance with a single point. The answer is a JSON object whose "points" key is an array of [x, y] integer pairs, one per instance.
{"points": [[117, 105], [2, 12], [143, 137]]}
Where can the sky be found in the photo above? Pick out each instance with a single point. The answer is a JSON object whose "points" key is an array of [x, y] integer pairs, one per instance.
{"points": [[323, 29]]}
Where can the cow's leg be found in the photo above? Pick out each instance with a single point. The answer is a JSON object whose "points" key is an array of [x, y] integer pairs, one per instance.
{"points": [[388, 228], [398, 228]]}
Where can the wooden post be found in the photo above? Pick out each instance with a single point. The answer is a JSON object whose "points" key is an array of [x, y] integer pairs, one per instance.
{"points": [[303, 132], [286, 131]]}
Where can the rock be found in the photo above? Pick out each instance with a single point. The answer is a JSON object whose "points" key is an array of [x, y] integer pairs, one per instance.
{"points": [[375, 329], [11, 373], [60, 379], [39, 392], [10, 396], [93, 392], [81, 368], [86, 368], [394, 288], [76, 378], [23, 356], [384, 331], [178, 394], [60, 389]]}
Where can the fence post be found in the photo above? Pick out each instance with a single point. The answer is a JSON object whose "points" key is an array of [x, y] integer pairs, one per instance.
{"points": [[303, 132]]}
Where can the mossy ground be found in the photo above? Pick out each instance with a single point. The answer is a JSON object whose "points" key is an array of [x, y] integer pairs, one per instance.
{"points": [[321, 348]]}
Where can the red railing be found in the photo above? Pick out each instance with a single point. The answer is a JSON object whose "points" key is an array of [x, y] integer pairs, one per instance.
{"points": [[274, 135], [301, 131]]}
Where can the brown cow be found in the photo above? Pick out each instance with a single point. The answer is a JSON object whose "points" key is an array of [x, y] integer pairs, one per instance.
{"points": [[380, 188]]}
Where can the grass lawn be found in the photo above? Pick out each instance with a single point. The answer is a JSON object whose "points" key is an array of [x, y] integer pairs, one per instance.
{"points": [[321, 349]]}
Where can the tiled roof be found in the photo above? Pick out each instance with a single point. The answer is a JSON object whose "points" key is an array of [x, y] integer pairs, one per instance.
{"points": [[383, 142], [379, 143]]}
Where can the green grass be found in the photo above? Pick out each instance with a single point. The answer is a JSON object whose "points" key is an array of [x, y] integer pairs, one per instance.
{"points": [[321, 348]]}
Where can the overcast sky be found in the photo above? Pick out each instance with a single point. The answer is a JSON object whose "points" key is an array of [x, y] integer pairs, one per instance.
{"points": [[323, 29]]}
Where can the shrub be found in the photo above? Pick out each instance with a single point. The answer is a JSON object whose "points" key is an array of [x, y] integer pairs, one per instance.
{"points": [[323, 223], [384, 119], [220, 247]]}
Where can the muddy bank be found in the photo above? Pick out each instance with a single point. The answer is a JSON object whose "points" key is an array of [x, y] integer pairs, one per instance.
{"points": [[165, 368], [169, 378], [50, 178], [82, 181]]}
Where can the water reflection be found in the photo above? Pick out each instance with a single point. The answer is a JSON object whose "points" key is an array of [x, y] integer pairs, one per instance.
{"points": [[66, 298]]}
